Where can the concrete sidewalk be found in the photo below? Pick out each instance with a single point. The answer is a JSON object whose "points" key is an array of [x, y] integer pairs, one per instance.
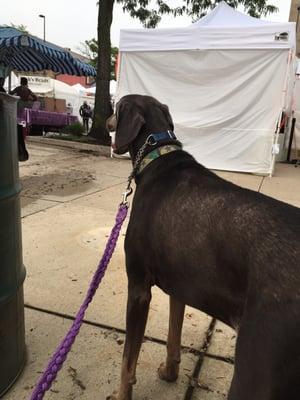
{"points": [[69, 202]]}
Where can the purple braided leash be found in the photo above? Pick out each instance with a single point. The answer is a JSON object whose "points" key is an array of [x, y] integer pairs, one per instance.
{"points": [[63, 349]]}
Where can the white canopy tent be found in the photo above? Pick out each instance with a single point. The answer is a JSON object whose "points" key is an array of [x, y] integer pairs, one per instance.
{"points": [[71, 95], [112, 88], [225, 80], [80, 89]]}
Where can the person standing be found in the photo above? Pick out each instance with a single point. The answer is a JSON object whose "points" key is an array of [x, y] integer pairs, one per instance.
{"points": [[26, 96], [86, 113], [23, 91]]}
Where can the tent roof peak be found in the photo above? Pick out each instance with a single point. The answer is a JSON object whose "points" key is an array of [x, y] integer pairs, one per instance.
{"points": [[225, 15]]}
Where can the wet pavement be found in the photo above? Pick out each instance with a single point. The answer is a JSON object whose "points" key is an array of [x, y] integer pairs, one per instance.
{"points": [[69, 202]]}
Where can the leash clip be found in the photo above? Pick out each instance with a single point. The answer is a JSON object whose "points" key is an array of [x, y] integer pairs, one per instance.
{"points": [[127, 193]]}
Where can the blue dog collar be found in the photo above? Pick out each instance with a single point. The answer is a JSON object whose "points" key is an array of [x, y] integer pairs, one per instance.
{"points": [[155, 138]]}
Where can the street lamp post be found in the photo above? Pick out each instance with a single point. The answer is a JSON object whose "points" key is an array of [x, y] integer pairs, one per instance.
{"points": [[44, 18], [298, 10]]}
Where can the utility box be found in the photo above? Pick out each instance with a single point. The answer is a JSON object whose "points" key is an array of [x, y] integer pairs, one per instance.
{"points": [[12, 271]]}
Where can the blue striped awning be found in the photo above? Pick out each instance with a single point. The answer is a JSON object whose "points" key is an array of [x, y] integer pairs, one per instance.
{"points": [[22, 52]]}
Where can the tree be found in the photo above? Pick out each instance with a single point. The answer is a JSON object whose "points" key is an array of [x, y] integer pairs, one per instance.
{"points": [[22, 28], [90, 50], [150, 16], [102, 108]]}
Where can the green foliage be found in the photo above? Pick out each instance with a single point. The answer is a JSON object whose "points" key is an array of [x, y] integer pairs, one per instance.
{"points": [[114, 56], [22, 28], [150, 16], [90, 50], [75, 129]]}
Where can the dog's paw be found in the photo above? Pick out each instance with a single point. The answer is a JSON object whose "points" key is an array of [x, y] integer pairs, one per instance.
{"points": [[116, 396], [169, 374], [113, 396]]}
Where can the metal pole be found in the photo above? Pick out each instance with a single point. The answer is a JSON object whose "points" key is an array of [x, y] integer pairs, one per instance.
{"points": [[44, 18], [298, 10], [291, 140]]}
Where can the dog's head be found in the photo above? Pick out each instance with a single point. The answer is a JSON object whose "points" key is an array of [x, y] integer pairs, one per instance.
{"points": [[136, 114]]}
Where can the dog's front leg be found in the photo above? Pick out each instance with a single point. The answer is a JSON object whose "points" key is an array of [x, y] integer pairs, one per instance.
{"points": [[168, 371], [136, 317]]}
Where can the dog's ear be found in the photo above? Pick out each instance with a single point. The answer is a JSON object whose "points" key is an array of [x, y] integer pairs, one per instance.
{"points": [[167, 114], [129, 123]]}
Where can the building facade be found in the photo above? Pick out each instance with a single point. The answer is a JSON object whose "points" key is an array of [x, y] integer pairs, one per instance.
{"points": [[71, 80]]}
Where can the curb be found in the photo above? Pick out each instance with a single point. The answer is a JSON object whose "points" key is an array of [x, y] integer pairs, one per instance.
{"points": [[95, 148]]}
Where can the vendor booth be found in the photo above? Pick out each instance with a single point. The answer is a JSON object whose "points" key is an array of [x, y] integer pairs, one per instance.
{"points": [[58, 96], [227, 79], [296, 137], [21, 52]]}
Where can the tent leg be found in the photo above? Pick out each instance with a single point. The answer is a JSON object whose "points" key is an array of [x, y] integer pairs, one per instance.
{"points": [[283, 101], [9, 81], [291, 140]]}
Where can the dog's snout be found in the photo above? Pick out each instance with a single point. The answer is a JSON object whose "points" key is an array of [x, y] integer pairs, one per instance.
{"points": [[111, 123]]}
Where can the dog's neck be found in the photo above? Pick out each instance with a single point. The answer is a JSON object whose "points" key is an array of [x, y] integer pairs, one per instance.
{"points": [[156, 153], [166, 143]]}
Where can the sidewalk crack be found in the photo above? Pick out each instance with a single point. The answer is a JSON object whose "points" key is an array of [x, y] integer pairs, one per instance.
{"points": [[197, 369]]}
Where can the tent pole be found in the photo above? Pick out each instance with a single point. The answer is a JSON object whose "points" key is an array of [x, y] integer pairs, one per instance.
{"points": [[9, 81], [283, 101], [118, 73]]}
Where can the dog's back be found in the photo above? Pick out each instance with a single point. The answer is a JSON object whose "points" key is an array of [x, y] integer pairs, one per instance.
{"points": [[225, 250]]}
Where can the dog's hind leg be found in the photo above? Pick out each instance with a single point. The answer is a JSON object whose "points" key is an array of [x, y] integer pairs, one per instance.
{"points": [[138, 302], [168, 371], [267, 362]]}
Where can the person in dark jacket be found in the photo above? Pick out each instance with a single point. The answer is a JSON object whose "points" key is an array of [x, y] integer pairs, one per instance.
{"points": [[86, 113], [26, 99], [23, 91]]}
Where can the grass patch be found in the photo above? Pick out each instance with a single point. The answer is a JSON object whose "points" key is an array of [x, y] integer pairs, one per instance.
{"points": [[71, 137], [75, 129]]}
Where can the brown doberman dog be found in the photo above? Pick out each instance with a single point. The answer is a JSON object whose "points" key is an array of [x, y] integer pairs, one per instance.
{"points": [[230, 252]]}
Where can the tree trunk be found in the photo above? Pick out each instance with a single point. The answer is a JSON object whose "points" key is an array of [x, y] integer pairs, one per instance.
{"points": [[294, 17], [102, 108]]}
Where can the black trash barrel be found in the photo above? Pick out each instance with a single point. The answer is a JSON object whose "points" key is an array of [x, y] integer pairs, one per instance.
{"points": [[12, 271]]}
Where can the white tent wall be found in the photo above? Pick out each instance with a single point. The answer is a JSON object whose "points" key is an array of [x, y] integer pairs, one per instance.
{"points": [[287, 109], [225, 105], [296, 140], [14, 81], [225, 79], [71, 95]]}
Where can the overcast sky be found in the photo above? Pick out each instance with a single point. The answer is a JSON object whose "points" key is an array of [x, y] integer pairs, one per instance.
{"points": [[70, 22]]}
